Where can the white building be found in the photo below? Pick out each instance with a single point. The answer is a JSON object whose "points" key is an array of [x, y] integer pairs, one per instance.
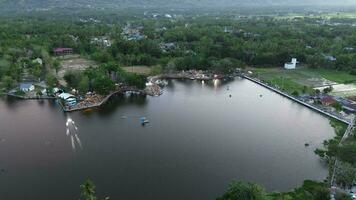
{"points": [[292, 64]]}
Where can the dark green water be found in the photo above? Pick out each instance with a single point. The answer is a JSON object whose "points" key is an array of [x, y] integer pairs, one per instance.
{"points": [[197, 141]]}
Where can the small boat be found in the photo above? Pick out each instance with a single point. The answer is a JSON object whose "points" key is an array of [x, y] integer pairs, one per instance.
{"points": [[144, 120]]}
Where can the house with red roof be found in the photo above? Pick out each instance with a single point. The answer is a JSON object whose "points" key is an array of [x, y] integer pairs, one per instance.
{"points": [[327, 100], [62, 51]]}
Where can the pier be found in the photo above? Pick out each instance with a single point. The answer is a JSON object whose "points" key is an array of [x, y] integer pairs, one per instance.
{"points": [[119, 91]]}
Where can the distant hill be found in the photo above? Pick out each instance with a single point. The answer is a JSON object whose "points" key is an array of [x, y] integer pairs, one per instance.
{"points": [[43, 4]]}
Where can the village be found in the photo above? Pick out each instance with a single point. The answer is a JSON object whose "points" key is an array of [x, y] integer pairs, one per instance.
{"points": [[70, 99]]}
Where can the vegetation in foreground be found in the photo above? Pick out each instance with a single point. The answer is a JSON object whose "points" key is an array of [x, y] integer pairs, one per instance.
{"points": [[310, 190]]}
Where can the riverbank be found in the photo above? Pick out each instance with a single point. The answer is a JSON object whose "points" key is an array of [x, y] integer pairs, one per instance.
{"points": [[190, 74], [98, 100], [29, 98], [332, 115], [114, 131], [335, 165]]}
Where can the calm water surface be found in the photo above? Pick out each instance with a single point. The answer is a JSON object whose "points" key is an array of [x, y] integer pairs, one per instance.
{"points": [[197, 141]]}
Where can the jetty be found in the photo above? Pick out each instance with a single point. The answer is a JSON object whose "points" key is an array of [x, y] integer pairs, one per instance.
{"points": [[121, 90], [259, 82]]}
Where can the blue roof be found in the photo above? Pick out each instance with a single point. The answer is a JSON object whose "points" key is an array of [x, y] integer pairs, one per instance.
{"points": [[25, 86]]}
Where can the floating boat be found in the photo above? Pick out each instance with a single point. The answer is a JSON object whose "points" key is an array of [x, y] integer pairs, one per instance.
{"points": [[161, 82], [144, 120]]}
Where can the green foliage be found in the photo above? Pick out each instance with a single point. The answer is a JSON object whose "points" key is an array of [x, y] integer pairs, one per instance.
{"points": [[8, 82], [103, 85], [157, 69], [347, 152], [327, 90], [345, 174], [88, 191], [83, 85], [310, 190], [337, 106], [56, 65], [243, 191], [73, 78], [51, 81], [136, 80]]}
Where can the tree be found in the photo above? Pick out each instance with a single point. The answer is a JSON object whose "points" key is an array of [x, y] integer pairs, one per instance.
{"points": [[56, 65], [136, 80], [51, 80], [103, 85], [83, 85], [8, 82], [243, 191], [73, 78], [345, 174], [347, 152], [88, 191]]}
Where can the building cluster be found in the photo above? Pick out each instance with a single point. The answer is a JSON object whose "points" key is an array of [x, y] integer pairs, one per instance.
{"points": [[167, 47], [102, 41], [132, 33], [347, 105]]}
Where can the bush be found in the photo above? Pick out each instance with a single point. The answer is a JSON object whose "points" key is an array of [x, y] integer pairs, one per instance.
{"points": [[73, 78]]}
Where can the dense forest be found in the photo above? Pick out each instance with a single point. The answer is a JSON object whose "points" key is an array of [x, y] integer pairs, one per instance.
{"points": [[177, 41]]}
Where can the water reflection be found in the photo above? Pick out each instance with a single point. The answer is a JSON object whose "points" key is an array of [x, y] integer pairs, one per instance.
{"points": [[72, 132], [116, 102], [216, 83]]}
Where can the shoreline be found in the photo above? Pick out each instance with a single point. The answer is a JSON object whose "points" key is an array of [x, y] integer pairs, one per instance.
{"points": [[259, 82], [106, 98]]}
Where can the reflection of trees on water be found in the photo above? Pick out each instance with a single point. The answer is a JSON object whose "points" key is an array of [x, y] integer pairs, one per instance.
{"points": [[117, 101], [11, 102]]}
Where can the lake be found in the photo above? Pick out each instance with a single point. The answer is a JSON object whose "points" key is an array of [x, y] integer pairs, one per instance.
{"points": [[198, 141]]}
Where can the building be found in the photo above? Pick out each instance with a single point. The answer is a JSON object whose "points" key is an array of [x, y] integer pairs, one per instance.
{"points": [[327, 100], [291, 65], [329, 57], [103, 41], [350, 108], [27, 87], [62, 51], [38, 60], [69, 99], [166, 47]]}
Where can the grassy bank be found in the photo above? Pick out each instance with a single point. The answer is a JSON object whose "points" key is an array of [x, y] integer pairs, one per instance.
{"points": [[288, 81], [302, 80]]}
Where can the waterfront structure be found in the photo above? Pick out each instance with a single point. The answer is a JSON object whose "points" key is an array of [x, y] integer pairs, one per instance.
{"points": [[69, 99], [27, 87], [291, 65]]}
